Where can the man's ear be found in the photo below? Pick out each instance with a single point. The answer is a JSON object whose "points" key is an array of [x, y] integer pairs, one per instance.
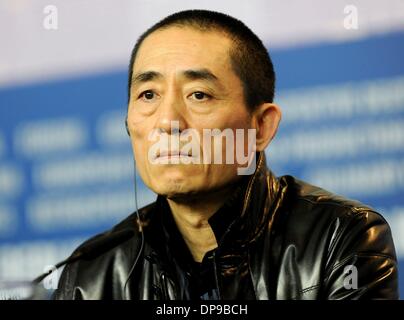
{"points": [[266, 118]]}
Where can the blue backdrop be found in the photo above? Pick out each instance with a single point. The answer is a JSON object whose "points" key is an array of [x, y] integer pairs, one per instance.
{"points": [[66, 169]]}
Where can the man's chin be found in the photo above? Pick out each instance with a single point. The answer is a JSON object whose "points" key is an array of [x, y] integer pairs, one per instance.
{"points": [[177, 192], [175, 183]]}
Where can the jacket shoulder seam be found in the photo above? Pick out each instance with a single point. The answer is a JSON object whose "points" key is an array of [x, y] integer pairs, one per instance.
{"points": [[363, 254], [352, 208]]}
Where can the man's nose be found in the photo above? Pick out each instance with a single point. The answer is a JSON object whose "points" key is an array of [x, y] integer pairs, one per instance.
{"points": [[171, 115]]}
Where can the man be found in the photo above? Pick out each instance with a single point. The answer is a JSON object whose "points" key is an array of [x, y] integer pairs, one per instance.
{"points": [[214, 231]]}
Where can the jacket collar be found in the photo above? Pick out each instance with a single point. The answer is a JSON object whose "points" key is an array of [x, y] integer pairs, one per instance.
{"points": [[259, 200], [242, 218]]}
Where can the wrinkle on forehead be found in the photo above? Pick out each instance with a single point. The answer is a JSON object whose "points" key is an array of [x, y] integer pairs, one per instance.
{"points": [[194, 48]]}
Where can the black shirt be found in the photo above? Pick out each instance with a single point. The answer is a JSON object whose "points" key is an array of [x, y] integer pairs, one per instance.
{"points": [[201, 276], [204, 279]]}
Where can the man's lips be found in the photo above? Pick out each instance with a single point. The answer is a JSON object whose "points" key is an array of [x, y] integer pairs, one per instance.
{"points": [[171, 154]]}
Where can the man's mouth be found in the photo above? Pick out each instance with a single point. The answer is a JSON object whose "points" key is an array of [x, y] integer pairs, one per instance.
{"points": [[171, 155]]}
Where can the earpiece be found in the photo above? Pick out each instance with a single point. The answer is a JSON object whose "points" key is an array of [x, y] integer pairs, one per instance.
{"points": [[141, 240], [126, 125], [139, 225]]}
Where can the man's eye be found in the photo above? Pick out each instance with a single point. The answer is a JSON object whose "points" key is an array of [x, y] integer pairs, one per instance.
{"points": [[147, 95], [200, 96]]}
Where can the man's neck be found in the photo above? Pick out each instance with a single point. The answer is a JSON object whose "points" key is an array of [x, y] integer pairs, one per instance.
{"points": [[191, 216]]}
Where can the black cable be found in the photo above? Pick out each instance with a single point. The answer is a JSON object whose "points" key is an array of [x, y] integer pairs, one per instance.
{"points": [[141, 233]]}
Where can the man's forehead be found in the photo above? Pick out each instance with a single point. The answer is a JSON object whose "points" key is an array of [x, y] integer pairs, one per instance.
{"points": [[176, 33], [206, 47]]}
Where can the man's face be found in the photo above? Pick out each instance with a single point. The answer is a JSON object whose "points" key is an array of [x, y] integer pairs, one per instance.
{"points": [[184, 75]]}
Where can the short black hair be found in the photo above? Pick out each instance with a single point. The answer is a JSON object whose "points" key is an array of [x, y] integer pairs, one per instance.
{"points": [[249, 58]]}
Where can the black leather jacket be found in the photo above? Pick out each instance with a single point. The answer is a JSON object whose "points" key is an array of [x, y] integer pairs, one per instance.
{"points": [[290, 240]]}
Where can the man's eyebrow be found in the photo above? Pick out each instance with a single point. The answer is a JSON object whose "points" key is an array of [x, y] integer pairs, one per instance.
{"points": [[145, 76], [200, 74], [191, 74]]}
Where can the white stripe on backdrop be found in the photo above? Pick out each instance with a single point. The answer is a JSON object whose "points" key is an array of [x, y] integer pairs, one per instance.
{"points": [[96, 36]]}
